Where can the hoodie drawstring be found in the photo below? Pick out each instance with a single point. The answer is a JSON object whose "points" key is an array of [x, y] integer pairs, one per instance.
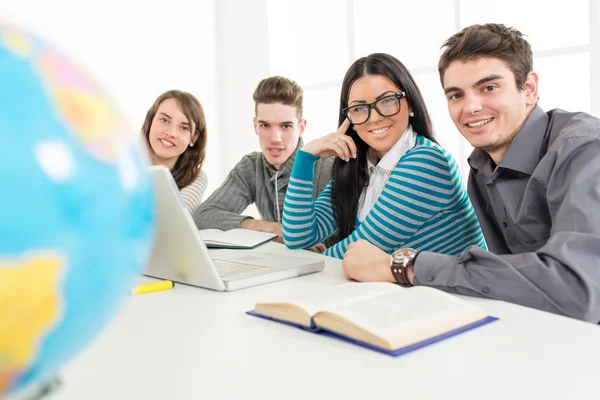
{"points": [[277, 198]]}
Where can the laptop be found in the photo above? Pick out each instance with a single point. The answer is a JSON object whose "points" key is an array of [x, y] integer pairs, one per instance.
{"points": [[180, 255]]}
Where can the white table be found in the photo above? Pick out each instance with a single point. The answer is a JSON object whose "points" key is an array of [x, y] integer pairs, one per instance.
{"points": [[192, 343]]}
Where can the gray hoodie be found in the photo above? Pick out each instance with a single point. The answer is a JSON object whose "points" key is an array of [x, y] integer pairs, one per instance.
{"points": [[254, 180]]}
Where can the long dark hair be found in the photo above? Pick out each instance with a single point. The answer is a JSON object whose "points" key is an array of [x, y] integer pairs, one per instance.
{"points": [[190, 162], [350, 178]]}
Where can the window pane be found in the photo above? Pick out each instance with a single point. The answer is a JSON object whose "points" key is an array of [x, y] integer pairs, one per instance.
{"points": [[307, 40], [414, 35], [445, 132], [548, 25], [321, 108], [567, 90]]}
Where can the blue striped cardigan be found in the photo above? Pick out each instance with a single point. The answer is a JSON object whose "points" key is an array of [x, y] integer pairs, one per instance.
{"points": [[423, 205]]}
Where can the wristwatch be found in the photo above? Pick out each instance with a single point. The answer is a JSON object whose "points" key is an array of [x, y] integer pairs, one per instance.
{"points": [[403, 260]]}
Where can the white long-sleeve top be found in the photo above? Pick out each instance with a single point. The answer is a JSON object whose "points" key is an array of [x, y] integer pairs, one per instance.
{"points": [[193, 193]]}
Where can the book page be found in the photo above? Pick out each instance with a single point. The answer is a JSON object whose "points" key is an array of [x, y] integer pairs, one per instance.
{"points": [[210, 234], [401, 312], [246, 237], [235, 237], [342, 295]]}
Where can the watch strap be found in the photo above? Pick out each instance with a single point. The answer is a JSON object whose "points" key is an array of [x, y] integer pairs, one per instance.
{"points": [[399, 271]]}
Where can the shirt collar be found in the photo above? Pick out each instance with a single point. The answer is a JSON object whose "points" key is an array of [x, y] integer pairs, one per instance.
{"points": [[522, 154], [391, 158]]}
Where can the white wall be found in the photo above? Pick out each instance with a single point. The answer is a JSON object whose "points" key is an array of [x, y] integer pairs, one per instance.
{"points": [[135, 49], [220, 49], [242, 60], [314, 42]]}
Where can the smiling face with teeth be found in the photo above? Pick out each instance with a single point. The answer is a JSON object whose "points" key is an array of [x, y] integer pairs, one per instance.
{"points": [[485, 103], [380, 133], [170, 133]]}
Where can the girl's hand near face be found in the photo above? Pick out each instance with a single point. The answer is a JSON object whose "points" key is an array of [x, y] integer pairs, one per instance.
{"points": [[336, 144]]}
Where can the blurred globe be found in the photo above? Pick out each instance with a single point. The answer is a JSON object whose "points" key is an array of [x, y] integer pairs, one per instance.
{"points": [[76, 210]]}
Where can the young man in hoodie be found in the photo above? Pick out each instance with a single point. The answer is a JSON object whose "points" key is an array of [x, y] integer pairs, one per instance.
{"points": [[262, 177]]}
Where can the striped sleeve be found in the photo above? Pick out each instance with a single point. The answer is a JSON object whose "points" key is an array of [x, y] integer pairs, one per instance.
{"points": [[193, 193], [424, 184], [306, 222]]}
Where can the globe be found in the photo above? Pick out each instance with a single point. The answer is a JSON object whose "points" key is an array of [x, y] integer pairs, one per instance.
{"points": [[76, 210]]}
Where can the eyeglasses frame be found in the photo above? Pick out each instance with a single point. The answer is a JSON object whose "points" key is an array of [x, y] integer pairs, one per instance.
{"points": [[372, 105]]}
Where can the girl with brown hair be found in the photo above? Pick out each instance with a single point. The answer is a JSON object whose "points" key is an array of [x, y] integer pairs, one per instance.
{"points": [[175, 132]]}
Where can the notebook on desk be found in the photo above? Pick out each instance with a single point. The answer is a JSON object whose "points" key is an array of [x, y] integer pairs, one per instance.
{"points": [[179, 253], [235, 238]]}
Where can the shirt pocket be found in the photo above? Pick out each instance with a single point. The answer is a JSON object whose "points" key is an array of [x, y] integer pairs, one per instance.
{"points": [[531, 235]]}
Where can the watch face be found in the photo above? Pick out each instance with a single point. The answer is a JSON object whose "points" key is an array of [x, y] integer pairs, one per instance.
{"points": [[402, 254]]}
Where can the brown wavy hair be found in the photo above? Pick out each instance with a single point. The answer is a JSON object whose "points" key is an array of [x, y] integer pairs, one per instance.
{"points": [[189, 163], [278, 89], [489, 40]]}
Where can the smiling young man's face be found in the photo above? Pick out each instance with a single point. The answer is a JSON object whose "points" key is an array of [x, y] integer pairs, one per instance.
{"points": [[485, 103], [278, 131]]}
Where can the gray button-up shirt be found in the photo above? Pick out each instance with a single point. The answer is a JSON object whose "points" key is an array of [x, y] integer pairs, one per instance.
{"points": [[539, 210]]}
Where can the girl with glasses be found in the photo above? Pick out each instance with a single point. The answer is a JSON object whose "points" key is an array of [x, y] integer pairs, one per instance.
{"points": [[175, 133], [392, 183]]}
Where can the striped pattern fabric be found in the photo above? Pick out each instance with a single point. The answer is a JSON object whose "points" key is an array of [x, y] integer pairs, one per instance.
{"points": [[193, 193], [424, 205]]}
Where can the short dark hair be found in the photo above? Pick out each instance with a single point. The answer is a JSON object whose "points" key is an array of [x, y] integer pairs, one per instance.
{"points": [[278, 89], [489, 40]]}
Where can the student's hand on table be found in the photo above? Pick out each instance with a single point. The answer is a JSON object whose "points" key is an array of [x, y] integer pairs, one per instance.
{"points": [[317, 248], [364, 262], [262, 226], [278, 239], [335, 144]]}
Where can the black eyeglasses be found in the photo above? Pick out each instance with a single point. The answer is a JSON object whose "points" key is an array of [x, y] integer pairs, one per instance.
{"points": [[386, 107]]}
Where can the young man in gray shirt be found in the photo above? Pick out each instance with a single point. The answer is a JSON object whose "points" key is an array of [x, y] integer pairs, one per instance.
{"points": [[534, 184], [262, 177]]}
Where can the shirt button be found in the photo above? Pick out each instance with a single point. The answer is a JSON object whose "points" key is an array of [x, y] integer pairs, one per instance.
{"points": [[504, 224], [430, 278], [485, 290]]}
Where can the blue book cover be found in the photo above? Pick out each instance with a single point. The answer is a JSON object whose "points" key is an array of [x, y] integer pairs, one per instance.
{"points": [[394, 353]]}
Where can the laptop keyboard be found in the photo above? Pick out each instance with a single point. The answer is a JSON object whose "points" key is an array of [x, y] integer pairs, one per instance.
{"points": [[230, 269]]}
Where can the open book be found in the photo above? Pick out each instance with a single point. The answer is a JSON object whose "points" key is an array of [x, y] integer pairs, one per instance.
{"points": [[235, 238], [381, 316]]}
